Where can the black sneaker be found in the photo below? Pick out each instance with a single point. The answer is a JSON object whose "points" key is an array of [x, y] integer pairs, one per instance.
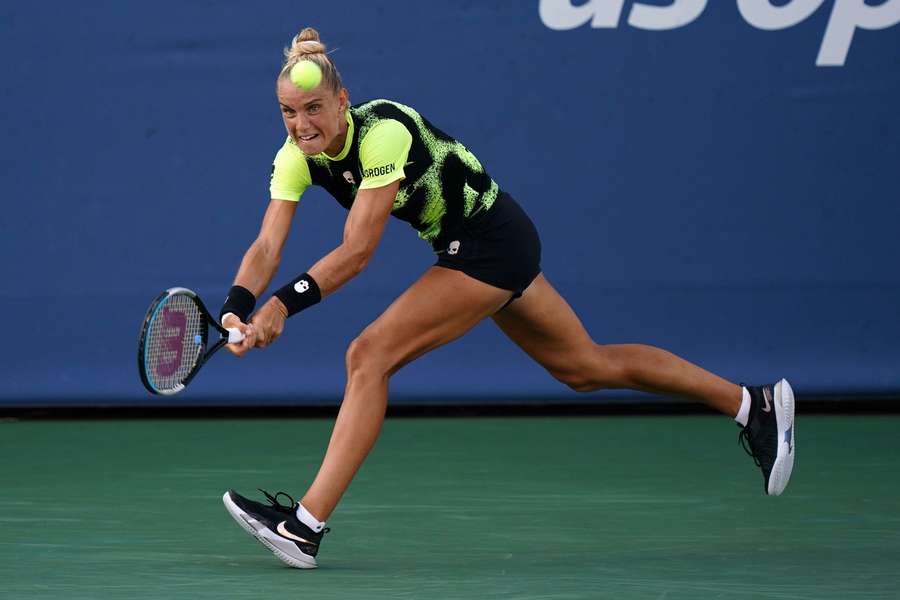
{"points": [[770, 434], [276, 527]]}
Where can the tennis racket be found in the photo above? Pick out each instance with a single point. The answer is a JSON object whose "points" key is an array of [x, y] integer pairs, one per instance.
{"points": [[174, 340]]}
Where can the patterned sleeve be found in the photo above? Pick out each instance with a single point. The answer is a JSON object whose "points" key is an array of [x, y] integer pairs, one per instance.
{"points": [[383, 152]]}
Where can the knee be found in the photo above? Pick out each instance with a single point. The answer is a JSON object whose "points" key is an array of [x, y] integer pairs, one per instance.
{"points": [[576, 381], [593, 369], [365, 358], [575, 374]]}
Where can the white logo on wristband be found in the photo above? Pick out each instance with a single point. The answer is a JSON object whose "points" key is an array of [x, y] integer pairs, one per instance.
{"points": [[301, 286]]}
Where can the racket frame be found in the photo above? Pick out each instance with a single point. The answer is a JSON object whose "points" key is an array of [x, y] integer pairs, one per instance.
{"points": [[205, 353]]}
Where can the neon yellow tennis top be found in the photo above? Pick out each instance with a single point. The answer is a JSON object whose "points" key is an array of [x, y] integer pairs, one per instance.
{"points": [[441, 181]]}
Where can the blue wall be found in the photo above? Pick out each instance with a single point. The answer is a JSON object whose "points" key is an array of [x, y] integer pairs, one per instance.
{"points": [[706, 188]]}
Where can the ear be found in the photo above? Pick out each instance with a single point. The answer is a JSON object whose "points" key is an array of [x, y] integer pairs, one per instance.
{"points": [[344, 98]]}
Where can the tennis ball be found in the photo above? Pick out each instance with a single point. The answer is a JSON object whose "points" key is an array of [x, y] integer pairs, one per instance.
{"points": [[306, 75]]}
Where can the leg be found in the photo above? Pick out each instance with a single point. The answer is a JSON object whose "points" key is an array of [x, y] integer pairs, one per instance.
{"points": [[543, 324], [438, 308]]}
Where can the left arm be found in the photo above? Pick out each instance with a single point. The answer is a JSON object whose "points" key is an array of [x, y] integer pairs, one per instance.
{"points": [[362, 232]]}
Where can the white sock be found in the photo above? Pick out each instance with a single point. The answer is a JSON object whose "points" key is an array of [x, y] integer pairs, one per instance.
{"points": [[308, 519], [744, 411]]}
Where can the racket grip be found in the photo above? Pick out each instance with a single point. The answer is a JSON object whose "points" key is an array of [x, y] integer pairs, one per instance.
{"points": [[234, 335]]}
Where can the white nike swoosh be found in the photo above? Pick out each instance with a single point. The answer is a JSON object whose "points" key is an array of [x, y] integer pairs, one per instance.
{"points": [[767, 407], [282, 531], [409, 163]]}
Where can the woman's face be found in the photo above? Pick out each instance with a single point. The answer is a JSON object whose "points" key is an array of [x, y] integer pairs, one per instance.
{"points": [[315, 119]]}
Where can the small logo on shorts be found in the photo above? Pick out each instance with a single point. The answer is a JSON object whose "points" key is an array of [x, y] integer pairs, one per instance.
{"points": [[349, 177], [301, 286], [453, 248]]}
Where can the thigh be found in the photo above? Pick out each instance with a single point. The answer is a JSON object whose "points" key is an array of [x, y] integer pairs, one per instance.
{"points": [[438, 308], [543, 324]]}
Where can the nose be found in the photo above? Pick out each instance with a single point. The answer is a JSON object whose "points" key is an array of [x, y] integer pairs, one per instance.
{"points": [[299, 125]]}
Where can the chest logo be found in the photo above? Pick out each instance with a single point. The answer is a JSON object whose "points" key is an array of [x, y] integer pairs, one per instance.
{"points": [[349, 177]]}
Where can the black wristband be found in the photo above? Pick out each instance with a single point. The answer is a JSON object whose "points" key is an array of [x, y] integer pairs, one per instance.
{"points": [[302, 292], [240, 301]]}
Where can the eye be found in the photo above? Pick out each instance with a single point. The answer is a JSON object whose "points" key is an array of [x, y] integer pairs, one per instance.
{"points": [[288, 112], [314, 108]]}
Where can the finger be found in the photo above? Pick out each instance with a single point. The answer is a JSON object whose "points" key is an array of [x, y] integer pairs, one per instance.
{"points": [[245, 329], [264, 337], [250, 334], [232, 320], [240, 348], [236, 349], [235, 345]]}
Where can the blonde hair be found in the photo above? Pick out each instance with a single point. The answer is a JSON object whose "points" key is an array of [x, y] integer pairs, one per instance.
{"points": [[306, 45]]}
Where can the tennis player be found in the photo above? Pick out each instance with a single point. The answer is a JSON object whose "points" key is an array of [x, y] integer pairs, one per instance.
{"points": [[381, 158]]}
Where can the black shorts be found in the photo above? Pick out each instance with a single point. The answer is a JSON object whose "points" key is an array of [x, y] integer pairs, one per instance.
{"points": [[500, 247]]}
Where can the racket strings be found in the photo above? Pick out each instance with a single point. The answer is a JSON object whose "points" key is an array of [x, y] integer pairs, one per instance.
{"points": [[175, 342]]}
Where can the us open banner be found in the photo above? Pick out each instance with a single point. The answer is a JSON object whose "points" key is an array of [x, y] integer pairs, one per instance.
{"points": [[718, 178], [846, 18]]}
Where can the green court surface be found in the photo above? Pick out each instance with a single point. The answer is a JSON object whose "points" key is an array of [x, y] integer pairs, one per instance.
{"points": [[587, 507]]}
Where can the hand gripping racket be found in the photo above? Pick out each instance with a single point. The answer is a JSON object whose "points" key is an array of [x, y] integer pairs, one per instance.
{"points": [[173, 344]]}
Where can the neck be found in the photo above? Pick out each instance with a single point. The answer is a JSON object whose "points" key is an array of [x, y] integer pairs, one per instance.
{"points": [[338, 144]]}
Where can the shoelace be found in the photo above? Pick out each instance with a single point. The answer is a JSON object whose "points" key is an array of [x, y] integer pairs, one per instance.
{"points": [[744, 440], [273, 501]]}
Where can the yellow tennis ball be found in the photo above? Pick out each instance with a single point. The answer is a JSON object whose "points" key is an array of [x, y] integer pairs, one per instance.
{"points": [[306, 75]]}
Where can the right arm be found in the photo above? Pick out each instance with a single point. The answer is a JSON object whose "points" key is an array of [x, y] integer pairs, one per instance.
{"points": [[262, 258], [260, 263]]}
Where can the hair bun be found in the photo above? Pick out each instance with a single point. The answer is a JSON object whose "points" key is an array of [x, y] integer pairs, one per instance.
{"points": [[307, 47], [305, 43], [308, 34]]}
